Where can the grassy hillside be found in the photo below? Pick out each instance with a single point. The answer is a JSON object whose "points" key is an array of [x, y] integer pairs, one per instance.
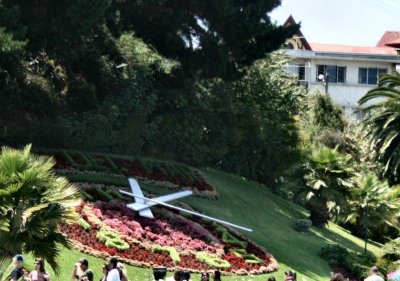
{"points": [[271, 217]]}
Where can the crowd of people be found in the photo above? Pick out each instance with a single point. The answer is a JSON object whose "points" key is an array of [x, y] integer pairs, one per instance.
{"points": [[113, 270]]}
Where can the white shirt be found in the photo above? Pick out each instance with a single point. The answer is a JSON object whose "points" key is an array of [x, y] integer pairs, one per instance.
{"points": [[113, 275], [374, 278]]}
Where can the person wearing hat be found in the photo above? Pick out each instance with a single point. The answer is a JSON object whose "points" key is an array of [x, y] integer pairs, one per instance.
{"points": [[81, 271], [374, 275], [113, 274], [19, 270]]}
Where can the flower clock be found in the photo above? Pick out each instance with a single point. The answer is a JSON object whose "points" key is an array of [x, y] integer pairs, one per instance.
{"points": [[171, 240]]}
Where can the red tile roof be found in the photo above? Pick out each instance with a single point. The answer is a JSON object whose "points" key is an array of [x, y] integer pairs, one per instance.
{"points": [[389, 37], [334, 48]]}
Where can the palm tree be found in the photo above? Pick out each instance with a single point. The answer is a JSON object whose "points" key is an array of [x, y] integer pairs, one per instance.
{"points": [[34, 203], [5, 269], [383, 124], [327, 184], [374, 206]]}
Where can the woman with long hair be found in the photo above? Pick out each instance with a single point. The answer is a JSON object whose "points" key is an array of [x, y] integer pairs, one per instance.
{"points": [[39, 274]]}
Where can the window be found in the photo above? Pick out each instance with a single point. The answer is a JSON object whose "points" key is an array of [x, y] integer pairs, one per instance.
{"points": [[336, 74], [370, 75], [298, 70]]}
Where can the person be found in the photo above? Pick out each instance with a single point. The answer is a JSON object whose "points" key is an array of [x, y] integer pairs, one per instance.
{"points": [[294, 275], [186, 276], [374, 275], [205, 276], [217, 275], [113, 274], [81, 271], [19, 270], [290, 276], [272, 278], [337, 277], [39, 274], [105, 272], [122, 272]]}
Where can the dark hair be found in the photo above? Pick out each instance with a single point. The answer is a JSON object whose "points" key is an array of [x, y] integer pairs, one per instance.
{"points": [[338, 277], [179, 275], [186, 275], [41, 265], [84, 262], [272, 278], [114, 261]]}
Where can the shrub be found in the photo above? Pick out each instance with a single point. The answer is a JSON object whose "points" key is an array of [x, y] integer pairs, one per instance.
{"points": [[386, 266], [248, 258], [229, 238], [302, 225], [170, 250], [112, 240], [86, 195], [212, 260], [103, 195], [391, 250], [334, 254], [367, 258], [84, 224]]}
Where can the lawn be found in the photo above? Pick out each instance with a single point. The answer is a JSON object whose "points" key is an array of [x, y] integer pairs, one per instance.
{"points": [[254, 206]]}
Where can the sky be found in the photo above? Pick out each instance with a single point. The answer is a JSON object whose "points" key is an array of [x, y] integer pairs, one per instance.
{"points": [[347, 22]]}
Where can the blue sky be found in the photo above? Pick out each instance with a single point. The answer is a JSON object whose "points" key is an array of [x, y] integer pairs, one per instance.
{"points": [[348, 22]]}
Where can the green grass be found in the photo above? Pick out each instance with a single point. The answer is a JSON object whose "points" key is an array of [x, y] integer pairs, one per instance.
{"points": [[271, 218], [254, 206]]}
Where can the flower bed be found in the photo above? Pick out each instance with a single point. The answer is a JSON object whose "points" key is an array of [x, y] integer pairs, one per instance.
{"points": [[171, 241], [170, 174]]}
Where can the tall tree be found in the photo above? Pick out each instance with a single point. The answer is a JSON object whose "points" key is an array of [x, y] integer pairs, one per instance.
{"points": [[382, 108], [34, 202], [210, 38]]}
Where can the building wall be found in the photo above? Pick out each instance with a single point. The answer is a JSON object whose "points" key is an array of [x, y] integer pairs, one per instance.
{"points": [[345, 94]]}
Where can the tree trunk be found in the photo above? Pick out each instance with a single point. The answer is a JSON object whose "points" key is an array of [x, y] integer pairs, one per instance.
{"points": [[319, 215]]}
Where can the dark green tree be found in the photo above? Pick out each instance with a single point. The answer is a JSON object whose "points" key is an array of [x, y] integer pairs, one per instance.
{"points": [[210, 38]]}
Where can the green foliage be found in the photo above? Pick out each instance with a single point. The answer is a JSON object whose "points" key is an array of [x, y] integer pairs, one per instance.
{"points": [[391, 250], [328, 182], [214, 39], [358, 265], [302, 225], [227, 237], [84, 224], [327, 114], [382, 125], [248, 258], [103, 195], [6, 266], [212, 260], [334, 254], [386, 266], [247, 127], [376, 204], [34, 203], [170, 250], [112, 240]]}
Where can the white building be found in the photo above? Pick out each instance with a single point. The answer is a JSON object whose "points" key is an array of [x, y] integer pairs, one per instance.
{"points": [[350, 71]]}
